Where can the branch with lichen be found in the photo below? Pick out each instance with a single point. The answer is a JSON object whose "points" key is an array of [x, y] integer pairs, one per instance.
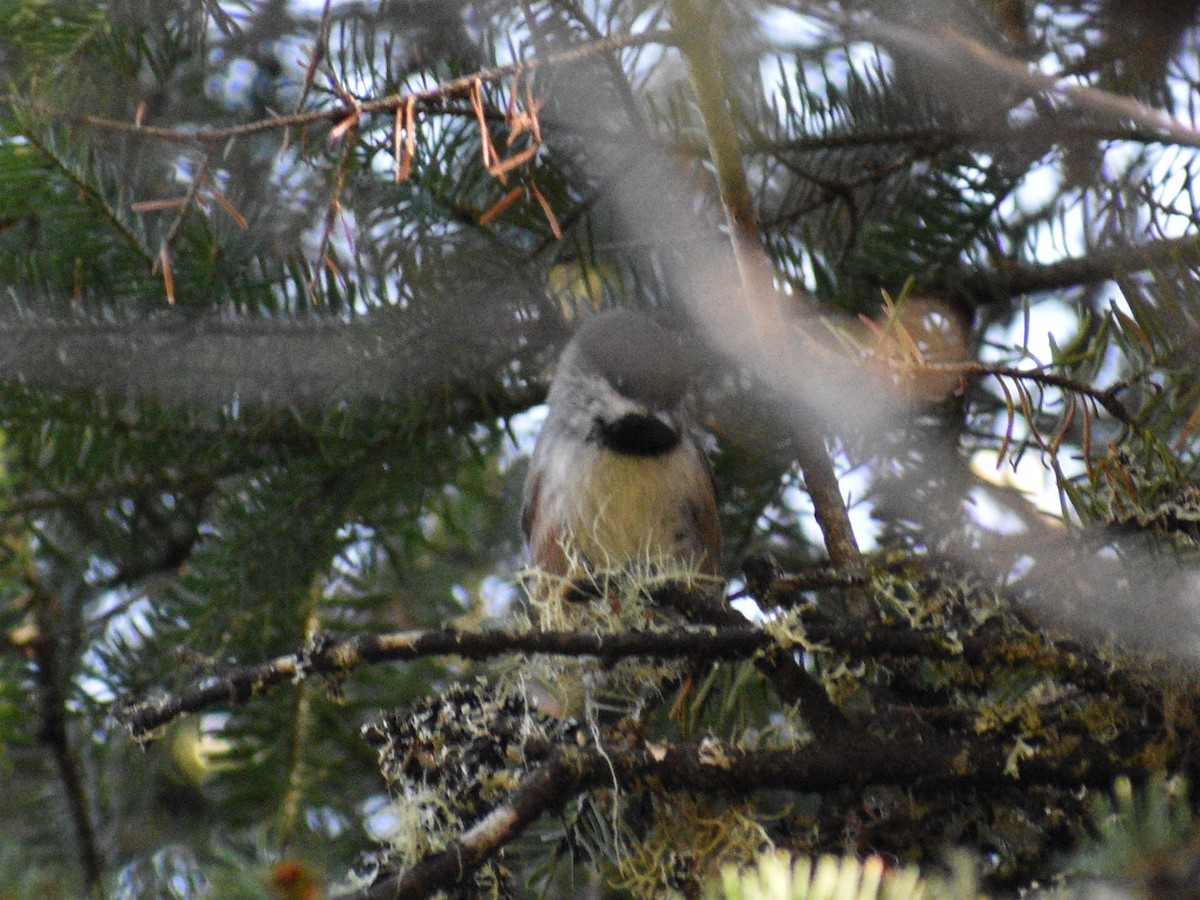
{"points": [[727, 637], [918, 761], [968, 701], [329, 657]]}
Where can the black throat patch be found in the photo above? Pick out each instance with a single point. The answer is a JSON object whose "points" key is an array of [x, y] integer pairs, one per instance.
{"points": [[636, 435]]}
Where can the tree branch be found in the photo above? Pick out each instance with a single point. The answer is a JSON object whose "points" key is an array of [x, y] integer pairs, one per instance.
{"points": [[956, 53], [204, 361], [778, 664], [710, 766], [547, 788], [1101, 264], [54, 732], [327, 656], [1105, 397], [212, 138], [136, 483]]}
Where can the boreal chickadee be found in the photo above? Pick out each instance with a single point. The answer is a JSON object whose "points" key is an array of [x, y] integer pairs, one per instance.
{"points": [[617, 476]]}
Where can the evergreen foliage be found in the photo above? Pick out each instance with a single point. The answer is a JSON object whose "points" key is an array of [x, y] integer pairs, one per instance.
{"points": [[280, 283]]}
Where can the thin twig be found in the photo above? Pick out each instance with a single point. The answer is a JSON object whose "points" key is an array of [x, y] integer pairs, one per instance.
{"points": [[918, 137], [320, 51], [1106, 397], [300, 725], [88, 190], [163, 264], [170, 481], [462, 86], [620, 79]]}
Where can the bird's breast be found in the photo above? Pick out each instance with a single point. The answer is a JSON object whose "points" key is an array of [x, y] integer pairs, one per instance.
{"points": [[614, 509]]}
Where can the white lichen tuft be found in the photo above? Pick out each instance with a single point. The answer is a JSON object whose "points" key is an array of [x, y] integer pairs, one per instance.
{"points": [[603, 600]]}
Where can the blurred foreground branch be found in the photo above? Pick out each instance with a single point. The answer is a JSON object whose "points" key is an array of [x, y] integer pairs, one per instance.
{"points": [[702, 50], [955, 53], [1001, 284]]}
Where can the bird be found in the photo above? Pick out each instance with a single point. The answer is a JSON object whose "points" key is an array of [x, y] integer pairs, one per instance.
{"points": [[618, 478]]}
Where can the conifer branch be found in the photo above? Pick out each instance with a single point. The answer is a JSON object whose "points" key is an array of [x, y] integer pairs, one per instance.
{"points": [[213, 138], [915, 761], [1104, 397], [88, 191], [170, 481], [1001, 284], [327, 656]]}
